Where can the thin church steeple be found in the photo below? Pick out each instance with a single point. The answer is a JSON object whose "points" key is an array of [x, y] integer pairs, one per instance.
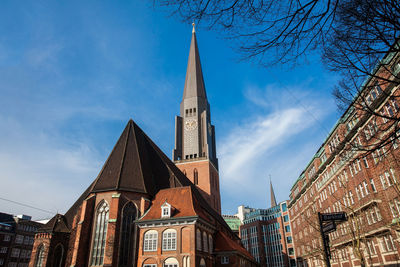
{"points": [[194, 133], [273, 199], [194, 82], [195, 152]]}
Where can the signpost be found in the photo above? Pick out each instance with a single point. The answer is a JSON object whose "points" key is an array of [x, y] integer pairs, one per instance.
{"points": [[329, 227], [336, 216], [327, 224]]}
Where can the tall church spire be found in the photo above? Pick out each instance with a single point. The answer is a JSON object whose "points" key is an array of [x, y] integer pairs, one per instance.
{"points": [[194, 133], [194, 83], [273, 199], [195, 152]]}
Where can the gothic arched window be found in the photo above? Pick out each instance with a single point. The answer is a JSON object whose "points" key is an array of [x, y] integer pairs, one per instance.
{"points": [[210, 243], [205, 239], [129, 214], [198, 239], [39, 256], [99, 240], [58, 256], [196, 177]]}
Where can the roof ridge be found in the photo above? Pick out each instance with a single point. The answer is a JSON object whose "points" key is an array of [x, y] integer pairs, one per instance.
{"points": [[124, 155], [105, 163], [137, 150], [191, 196]]}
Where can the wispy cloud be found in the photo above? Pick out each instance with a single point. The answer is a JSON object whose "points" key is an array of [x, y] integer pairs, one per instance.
{"points": [[272, 140], [247, 143]]}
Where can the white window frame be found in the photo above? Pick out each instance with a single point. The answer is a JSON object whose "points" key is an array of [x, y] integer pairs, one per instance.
{"points": [[169, 240], [165, 210], [150, 240], [224, 260]]}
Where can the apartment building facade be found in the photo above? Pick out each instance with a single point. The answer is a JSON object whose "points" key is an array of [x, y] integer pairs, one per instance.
{"points": [[266, 234], [356, 170], [16, 239]]}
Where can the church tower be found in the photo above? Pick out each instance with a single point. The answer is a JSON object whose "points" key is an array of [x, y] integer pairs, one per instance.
{"points": [[194, 152]]}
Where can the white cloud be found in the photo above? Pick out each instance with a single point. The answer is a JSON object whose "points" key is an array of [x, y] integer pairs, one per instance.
{"points": [[280, 142], [247, 144]]}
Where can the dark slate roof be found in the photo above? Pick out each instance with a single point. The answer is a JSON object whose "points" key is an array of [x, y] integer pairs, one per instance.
{"points": [[135, 164], [194, 83], [57, 224]]}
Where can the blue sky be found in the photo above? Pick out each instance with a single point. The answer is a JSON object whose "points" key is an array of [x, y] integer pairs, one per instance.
{"points": [[73, 73]]}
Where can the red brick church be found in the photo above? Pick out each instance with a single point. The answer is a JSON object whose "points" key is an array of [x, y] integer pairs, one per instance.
{"points": [[145, 210]]}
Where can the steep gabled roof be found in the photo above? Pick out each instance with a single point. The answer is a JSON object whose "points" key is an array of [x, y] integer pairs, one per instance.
{"points": [[135, 164], [56, 224]]}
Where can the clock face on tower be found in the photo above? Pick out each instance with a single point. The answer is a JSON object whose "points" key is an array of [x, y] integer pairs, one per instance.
{"points": [[190, 125]]}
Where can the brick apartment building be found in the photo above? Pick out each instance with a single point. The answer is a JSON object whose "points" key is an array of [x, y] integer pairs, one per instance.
{"points": [[142, 210], [16, 239], [341, 177], [266, 234]]}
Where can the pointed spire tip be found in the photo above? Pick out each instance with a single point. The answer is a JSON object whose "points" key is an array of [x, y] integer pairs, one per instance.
{"points": [[193, 30]]}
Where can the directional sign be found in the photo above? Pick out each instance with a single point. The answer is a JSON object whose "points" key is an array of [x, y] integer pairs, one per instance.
{"points": [[329, 227], [336, 216]]}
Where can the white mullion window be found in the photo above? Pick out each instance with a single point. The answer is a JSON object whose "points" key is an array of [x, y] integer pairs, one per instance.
{"points": [[150, 240], [99, 240], [169, 240]]}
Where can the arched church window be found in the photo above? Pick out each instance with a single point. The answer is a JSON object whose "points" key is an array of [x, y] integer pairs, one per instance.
{"points": [[58, 256], [99, 237], [205, 240], [196, 177], [198, 239], [39, 256], [210, 243], [129, 214]]}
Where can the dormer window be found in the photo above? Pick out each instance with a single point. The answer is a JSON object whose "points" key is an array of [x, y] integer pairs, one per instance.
{"points": [[165, 210]]}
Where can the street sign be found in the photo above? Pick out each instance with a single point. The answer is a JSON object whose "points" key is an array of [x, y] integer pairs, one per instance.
{"points": [[335, 216], [329, 227]]}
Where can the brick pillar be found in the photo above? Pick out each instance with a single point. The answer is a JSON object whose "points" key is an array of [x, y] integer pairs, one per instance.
{"points": [[81, 245], [111, 255]]}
